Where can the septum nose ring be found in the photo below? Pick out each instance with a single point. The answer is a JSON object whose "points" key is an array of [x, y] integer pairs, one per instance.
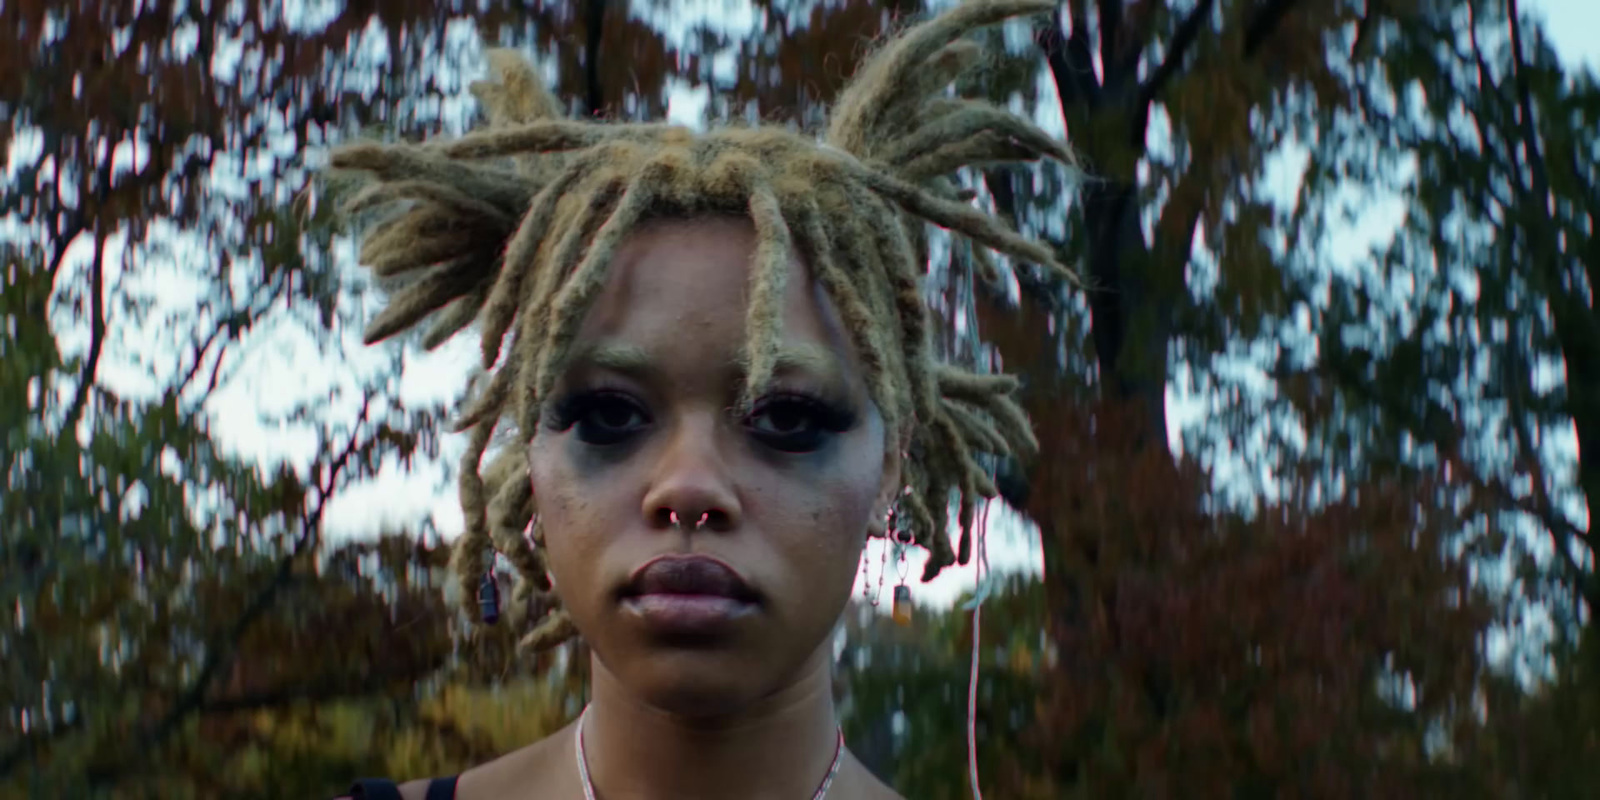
{"points": [[677, 521]]}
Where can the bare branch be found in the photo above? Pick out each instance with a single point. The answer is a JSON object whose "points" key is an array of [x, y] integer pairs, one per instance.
{"points": [[227, 329], [61, 239], [1575, 325], [97, 334], [1182, 40], [1071, 64], [1034, 287], [1110, 28], [1538, 175], [1489, 89], [1477, 53]]}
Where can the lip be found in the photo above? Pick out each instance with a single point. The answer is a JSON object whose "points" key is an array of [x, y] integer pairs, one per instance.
{"points": [[688, 595], [685, 615]]}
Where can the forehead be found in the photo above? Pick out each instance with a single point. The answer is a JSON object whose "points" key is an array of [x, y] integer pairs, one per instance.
{"points": [[681, 287]]}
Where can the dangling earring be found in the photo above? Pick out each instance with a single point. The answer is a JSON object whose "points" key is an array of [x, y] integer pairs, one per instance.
{"points": [[489, 595], [865, 591], [890, 520], [902, 593]]}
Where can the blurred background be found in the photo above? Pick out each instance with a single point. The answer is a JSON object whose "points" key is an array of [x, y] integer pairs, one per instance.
{"points": [[1314, 516]]}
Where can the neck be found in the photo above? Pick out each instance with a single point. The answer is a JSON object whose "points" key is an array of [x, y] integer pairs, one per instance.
{"points": [[777, 748]]}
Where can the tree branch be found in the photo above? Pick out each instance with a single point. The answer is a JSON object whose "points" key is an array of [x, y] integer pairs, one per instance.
{"points": [[1071, 65], [1563, 532], [1488, 89], [1110, 28], [97, 334], [1477, 53], [231, 324], [74, 227], [1538, 175], [199, 356], [1040, 290], [1570, 313], [1188, 31], [1262, 25]]}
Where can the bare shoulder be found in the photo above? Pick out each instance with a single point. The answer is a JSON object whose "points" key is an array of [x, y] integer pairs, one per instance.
{"points": [[878, 790], [414, 790], [866, 785], [547, 764]]}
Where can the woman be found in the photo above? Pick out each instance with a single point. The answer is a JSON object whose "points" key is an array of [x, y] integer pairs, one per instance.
{"points": [[720, 383]]}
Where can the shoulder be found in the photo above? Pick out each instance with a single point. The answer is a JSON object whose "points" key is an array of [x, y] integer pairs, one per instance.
{"points": [[867, 785], [415, 790], [548, 763], [878, 790]]}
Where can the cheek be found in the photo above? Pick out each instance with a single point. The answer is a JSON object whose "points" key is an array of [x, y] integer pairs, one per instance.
{"points": [[833, 515], [562, 507]]}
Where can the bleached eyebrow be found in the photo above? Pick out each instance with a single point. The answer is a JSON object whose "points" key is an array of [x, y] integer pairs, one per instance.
{"points": [[631, 359], [803, 358], [615, 356]]}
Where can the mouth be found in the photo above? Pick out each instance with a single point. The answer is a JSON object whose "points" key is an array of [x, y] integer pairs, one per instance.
{"points": [[688, 595]]}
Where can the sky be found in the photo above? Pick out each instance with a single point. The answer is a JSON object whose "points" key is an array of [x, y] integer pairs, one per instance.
{"points": [[277, 376], [1573, 27]]}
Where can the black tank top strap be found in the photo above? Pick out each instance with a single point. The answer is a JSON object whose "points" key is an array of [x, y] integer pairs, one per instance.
{"points": [[374, 789], [442, 788], [379, 789]]}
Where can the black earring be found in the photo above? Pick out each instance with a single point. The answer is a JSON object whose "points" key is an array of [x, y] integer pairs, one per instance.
{"points": [[489, 598]]}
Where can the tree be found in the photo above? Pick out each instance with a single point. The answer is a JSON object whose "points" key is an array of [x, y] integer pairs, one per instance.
{"points": [[1496, 355], [1315, 649], [1508, 282], [143, 561], [1212, 274]]}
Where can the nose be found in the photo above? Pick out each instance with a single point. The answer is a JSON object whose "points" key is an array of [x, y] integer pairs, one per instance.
{"points": [[692, 485]]}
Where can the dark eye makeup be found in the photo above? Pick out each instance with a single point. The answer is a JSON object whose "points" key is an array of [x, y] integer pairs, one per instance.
{"points": [[598, 416], [793, 422], [785, 420]]}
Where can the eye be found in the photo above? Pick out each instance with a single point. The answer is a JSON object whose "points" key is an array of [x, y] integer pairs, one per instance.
{"points": [[600, 417], [795, 423]]}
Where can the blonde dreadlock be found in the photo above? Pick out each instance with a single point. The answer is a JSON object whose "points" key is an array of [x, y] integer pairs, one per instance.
{"points": [[524, 252]]}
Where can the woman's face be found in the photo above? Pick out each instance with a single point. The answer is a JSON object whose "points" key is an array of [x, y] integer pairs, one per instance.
{"points": [[640, 430]]}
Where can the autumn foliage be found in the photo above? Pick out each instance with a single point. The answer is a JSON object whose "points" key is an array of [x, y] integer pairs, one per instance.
{"points": [[1303, 651]]}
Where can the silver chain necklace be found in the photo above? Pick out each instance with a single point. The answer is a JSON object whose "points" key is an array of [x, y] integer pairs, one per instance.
{"points": [[588, 785]]}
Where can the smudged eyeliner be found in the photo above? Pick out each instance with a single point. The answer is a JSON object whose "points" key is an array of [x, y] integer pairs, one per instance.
{"points": [[604, 416]]}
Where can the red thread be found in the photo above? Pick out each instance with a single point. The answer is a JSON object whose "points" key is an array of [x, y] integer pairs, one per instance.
{"points": [[981, 570]]}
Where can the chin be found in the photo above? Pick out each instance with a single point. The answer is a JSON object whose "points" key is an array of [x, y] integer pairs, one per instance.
{"points": [[692, 683], [715, 672]]}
